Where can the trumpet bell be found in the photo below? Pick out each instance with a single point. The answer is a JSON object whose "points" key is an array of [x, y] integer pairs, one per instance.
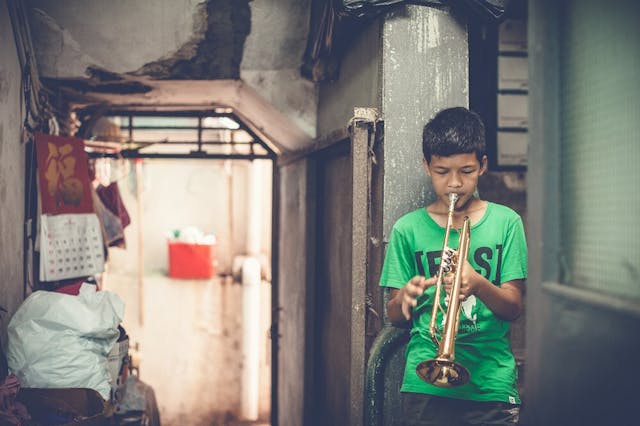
{"points": [[443, 373]]}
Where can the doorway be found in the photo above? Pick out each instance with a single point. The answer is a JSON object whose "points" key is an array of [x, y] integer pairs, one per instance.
{"points": [[189, 334]]}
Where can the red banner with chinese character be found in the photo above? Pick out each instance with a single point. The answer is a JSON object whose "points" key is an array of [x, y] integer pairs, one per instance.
{"points": [[63, 175]]}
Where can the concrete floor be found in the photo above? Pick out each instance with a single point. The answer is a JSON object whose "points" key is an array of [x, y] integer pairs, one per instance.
{"points": [[189, 343]]}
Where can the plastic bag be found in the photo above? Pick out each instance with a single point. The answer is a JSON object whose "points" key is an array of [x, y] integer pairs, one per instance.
{"points": [[62, 341]]}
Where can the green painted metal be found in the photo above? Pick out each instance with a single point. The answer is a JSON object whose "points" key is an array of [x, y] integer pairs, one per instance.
{"points": [[379, 408]]}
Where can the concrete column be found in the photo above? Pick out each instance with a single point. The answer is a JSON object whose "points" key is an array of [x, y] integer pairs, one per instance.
{"points": [[425, 68]]}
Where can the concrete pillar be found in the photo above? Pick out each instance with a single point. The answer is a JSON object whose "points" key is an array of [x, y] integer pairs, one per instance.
{"points": [[425, 68]]}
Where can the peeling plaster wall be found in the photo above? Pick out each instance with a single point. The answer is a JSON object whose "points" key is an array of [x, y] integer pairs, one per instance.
{"points": [[12, 170], [273, 55], [295, 97], [119, 35], [215, 51], [278, 34], [160, 38]]}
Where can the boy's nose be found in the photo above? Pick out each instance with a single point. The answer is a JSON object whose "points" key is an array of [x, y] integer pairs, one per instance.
{"points": [[455, 181]]}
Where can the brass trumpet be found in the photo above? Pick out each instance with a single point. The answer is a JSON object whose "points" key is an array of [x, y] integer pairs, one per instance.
{"points": [[442, 370]]}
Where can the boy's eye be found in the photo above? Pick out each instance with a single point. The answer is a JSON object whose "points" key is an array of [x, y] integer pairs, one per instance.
{"points": [[467, 172]]}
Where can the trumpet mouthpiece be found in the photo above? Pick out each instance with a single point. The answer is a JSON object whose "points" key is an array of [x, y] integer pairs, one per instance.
{"points": [[453, 198]]}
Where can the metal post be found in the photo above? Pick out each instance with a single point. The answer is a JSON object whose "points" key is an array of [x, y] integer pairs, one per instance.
{"points": [[362, 129]]}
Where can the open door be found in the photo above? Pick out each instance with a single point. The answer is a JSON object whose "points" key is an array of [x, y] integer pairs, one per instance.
{"points": [[321, 306]]}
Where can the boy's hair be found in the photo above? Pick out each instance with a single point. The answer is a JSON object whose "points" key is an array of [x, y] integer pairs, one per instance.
{"points": [[454, 131]]}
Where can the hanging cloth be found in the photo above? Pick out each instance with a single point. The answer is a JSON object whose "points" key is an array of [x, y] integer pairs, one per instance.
{"points": [[110, 197]]}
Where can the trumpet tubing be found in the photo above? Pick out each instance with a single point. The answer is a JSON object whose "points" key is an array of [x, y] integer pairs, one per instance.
{"points": [[442, 370]]}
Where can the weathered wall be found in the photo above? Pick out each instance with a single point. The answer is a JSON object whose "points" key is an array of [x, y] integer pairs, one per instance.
{"points": [[261, 43], [70, 35], [358, 84], [331, 398], [272, 57], [583, 297], [12, 170], [425, 69]]}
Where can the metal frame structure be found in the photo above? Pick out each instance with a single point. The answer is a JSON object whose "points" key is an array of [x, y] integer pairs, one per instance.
{"points": [[132, 148]]}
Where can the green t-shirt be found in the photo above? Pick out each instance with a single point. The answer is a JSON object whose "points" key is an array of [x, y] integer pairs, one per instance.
{"points": [[497, 251]]}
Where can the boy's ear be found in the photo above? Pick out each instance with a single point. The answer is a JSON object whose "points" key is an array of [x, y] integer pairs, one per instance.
{"points": [[426, 166], [483, 165]]}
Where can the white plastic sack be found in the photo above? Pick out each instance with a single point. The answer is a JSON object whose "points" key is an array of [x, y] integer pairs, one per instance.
{"points": [[61, 341]]}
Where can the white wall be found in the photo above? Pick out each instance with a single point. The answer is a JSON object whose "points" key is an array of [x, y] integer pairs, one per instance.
{"points": [[179, 193]]}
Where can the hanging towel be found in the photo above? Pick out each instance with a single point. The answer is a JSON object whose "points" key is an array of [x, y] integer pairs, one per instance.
{"points": [[110, 197]]}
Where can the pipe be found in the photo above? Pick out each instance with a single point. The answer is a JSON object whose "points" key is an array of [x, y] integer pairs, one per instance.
{"points": [[251, 278], [250, 339], [254, 207], [140, 243]]}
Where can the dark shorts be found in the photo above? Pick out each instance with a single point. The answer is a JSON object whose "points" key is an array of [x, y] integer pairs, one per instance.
{"points": [[428, 410]]}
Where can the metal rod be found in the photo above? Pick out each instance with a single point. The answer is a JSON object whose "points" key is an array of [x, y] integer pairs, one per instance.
{"points": [[140, 243]]}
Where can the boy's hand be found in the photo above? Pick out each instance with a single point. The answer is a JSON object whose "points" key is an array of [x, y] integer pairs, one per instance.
{"points": [[467, 282], [412, 290]]}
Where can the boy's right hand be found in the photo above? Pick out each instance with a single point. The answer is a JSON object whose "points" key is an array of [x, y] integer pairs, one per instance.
{"points": [[412, 290]]}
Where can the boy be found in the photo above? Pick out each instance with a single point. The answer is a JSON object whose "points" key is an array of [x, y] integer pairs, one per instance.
{"points": [[492, 282]]}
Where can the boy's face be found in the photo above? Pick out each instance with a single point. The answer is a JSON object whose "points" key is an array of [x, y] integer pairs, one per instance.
{"points": [[457, 173]]}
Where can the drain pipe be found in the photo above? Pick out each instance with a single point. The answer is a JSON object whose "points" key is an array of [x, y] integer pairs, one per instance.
{"points": [[251, 277], [250, 338]]}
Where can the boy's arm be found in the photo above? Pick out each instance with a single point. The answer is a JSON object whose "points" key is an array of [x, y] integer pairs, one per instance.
{"points": [[505, 301], [402, 300], [394, 307]]}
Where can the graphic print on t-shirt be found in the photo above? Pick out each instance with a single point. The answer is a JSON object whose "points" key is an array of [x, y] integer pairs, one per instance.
{"points": [[468, 307], [481, 257]]}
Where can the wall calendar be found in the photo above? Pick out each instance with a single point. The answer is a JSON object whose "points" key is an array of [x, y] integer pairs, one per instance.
{"points": [[70, 246]]}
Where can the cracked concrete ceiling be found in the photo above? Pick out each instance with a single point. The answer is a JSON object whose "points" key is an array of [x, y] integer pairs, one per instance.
{"points": [[93, 47]]}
